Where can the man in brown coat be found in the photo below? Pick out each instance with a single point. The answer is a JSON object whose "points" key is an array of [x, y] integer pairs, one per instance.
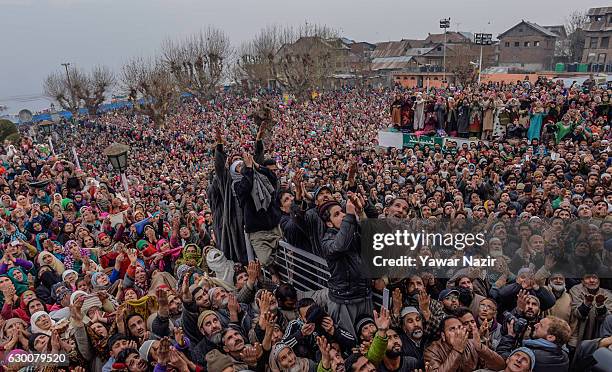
{"points": [[590, 306], [454, 352]]}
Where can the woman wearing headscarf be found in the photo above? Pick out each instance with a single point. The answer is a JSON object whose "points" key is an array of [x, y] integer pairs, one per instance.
{"points": [[19, 279], [220, 265], [41, 322], [69, 277], [73, 255], [47, 259], [191, 255], [45, 280], [11, 302], [14, 334]]}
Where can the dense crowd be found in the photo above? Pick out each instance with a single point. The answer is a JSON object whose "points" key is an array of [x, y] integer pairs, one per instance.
{"points": [[159, 277]]}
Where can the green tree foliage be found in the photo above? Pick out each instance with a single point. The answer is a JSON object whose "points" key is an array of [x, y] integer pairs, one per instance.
{"points": [[8, 131]]}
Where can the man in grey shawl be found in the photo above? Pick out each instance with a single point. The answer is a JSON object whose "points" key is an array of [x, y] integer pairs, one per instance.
{"points": [[255, 187]]}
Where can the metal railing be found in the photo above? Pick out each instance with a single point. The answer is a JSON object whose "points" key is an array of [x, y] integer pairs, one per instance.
{"points": [[304, 270]]}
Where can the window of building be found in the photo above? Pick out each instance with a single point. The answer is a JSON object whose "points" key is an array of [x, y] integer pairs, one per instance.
{"points": [[601, 58], [439, 49], [591, 58], [610, 19], [435, 78], [526, 44], [517, 44], [536, 43], [507, 44], [520, 29], [605, 41], [412, 78], [594, 41]]}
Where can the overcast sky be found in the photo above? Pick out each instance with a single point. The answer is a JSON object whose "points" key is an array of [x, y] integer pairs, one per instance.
{"points": [[38, 35]]}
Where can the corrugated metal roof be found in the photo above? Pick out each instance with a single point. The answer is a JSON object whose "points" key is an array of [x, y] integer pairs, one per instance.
{"points": [[391, 49], [600, 11], [392, 63], [417, 51], [451, 37], [557, 29], [535, 26], [541, 29]]}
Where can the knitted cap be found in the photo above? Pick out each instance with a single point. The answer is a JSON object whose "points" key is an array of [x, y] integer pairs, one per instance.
{"points": [[361, 321], [527, 352], [203, 315], [145, 349], [216, 361]]}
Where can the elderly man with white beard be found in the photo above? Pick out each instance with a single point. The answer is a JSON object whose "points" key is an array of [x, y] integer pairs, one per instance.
{"points": [[228, 309], [413, 338], [562, 308], [210, 327]]}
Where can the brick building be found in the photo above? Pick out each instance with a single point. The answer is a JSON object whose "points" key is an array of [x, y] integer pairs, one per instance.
{"points": [[528, 46], [597, 47]]}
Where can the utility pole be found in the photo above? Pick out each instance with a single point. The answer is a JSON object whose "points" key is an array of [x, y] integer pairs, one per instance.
{"points": [[482, 40], [444, 24], [70, 86]]}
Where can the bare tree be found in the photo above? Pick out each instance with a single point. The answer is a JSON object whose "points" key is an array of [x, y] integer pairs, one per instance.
{"points": [[92, 87], [574, 25], [198, 63], [461, 63], [60, 88], [151, 89], [298, 59]]}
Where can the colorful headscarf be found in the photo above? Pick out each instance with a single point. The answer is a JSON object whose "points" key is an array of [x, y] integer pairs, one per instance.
{"points": [[56, 264], [20, 285]]}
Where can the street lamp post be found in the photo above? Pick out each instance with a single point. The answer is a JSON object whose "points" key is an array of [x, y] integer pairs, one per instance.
{"points": [[117, 154], [482, 40], [445, 25]]}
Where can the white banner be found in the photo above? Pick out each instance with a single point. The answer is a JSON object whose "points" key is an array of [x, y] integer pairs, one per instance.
{"points": [[390, 139]]}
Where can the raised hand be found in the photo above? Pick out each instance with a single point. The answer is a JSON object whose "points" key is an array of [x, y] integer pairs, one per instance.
{"points": [[397, 300], [133, 256], [265, 301], [382, 319], [248, 160], [325, 349], [75, 311], [521, 301], [253, 270], [588, 299], [179, 336], [424, 301], [307, 329], [328, 325], [175, 360], [164, 350], [250, 354], [232, 305], [600, 299], [458, 339]]}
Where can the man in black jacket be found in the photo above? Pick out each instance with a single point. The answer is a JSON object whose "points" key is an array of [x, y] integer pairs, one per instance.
{"points": [[349, 291], [255, 187], [550, 336]]}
